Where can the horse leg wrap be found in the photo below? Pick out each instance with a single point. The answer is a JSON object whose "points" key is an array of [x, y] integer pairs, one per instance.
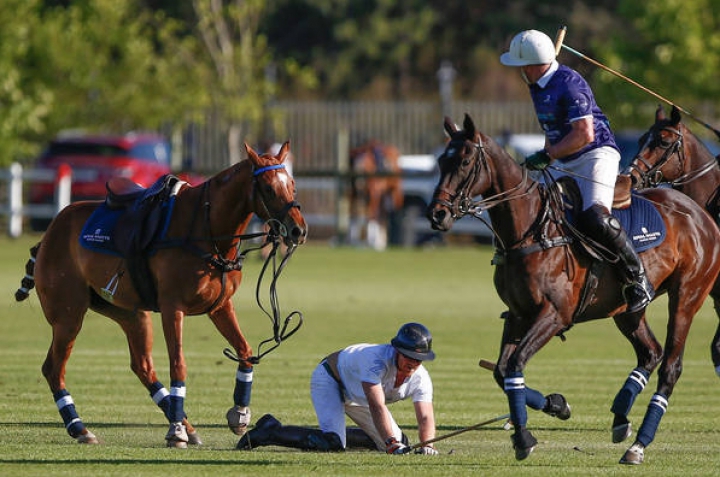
{"points": [[66, 407], [515, 391], [243, 386], [655, 411], [176, 405], [635, 383], [534, 399]]}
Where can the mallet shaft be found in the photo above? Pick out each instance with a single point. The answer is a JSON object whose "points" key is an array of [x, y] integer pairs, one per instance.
{"points": [[559, 38], [635, 83], [459, 431]]}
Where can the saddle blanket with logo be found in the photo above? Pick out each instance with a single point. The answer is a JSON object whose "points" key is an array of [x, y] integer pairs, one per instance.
{"points": [[642, 223], [131, 230]]}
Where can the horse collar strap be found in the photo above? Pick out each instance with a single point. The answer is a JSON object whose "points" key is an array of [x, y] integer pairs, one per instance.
{"points": [[257, 172]]}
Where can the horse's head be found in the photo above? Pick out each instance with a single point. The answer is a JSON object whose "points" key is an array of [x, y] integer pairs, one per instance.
{"points": [[661, 153], [274, 195], [460, 180]]}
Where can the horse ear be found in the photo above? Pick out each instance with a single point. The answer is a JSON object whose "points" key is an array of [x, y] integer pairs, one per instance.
{"points": [[251, 152], [659, 113], [675, 115], [469, 125], [450, 126], [284, 150]]}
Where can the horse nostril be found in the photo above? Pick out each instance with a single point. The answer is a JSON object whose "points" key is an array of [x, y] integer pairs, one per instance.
{"points": [[298, 234]]}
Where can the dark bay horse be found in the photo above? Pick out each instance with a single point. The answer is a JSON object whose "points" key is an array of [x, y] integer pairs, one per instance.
{"points": [[375, 190], [669, 153], [540, 275], [196, 270]]}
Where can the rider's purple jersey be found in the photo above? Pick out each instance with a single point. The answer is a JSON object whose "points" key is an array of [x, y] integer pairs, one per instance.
{"points": [[564, 98]]}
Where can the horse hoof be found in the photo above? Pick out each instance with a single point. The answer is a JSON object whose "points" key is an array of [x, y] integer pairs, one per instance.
{"points": [[238, 418], [557, 406], [87, 438], [634, 455], [177, 436], [621, 432], [524, 443], [194, 439]]}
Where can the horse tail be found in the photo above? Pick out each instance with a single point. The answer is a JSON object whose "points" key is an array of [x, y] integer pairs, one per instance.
{"points": [[28, 281]]}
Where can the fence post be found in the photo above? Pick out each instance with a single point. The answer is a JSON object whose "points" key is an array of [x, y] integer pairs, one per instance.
{"points": [[342, 213], [63, 186], [15, 202]]}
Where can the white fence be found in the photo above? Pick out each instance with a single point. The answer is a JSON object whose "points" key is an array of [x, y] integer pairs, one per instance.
{"points": [[15, 209]]}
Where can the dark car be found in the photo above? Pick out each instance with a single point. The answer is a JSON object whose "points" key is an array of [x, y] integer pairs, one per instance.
{"points": [[143, 158]]}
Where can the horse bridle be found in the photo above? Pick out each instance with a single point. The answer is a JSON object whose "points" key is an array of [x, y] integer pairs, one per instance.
{"points": [[282, 231], [462, 203], [652, 175]]}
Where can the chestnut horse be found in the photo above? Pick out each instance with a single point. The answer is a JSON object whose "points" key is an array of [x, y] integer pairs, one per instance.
{"points": [[541, 272], [669, 153], [196, 270], [375, 190]]}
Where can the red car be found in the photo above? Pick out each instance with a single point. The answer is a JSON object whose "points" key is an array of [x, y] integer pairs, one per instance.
{"points": [[142, 158]]}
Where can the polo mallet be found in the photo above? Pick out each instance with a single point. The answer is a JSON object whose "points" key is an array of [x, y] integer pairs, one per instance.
{"points": [[455, 433], [634, 83], [559, 38]]}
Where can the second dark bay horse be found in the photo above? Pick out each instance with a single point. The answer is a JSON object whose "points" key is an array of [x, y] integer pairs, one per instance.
{"points": [[670, 154], [542, 275]]}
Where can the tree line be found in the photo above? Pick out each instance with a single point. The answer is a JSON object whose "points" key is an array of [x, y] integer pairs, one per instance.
{"points": [[118, 65]]}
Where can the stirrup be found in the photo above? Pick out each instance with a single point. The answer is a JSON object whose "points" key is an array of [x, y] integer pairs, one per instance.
{"points": [[638, 296]]}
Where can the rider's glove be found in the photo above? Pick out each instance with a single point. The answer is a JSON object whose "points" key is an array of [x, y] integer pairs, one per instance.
{"points": [[393, 446], [538, 161]]}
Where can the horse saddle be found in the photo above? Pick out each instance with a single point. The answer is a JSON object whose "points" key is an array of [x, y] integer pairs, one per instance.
{"points": [[637, 215], [131, 218]]}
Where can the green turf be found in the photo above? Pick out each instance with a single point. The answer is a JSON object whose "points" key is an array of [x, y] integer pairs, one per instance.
{"points": [[346, 296]]}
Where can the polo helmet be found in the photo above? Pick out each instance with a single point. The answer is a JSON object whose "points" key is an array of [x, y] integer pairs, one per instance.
{"points": [[414, 341], [529, 47]]}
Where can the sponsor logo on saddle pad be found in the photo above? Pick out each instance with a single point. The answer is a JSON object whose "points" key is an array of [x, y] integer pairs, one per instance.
{"points": [[646, 236], [96, 237]]}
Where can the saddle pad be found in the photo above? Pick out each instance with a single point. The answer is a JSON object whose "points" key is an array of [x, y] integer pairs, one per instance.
{"points": [[99, 232], [642, 223]]}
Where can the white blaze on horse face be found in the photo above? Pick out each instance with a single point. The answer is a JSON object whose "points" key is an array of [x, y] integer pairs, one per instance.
{"points": [[283, 177]]}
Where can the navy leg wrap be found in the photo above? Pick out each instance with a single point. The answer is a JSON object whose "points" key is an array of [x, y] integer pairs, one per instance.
{"points": [[534, 399], [655, 411], [515, 391], [176, 404], [66, 407], [633, 386], [243, 386]]}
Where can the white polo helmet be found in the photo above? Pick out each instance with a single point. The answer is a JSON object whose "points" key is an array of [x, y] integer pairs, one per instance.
{"points": [[529, 47]]}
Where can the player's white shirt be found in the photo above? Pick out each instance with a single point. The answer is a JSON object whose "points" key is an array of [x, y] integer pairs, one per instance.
{"points": [[376, 364]]}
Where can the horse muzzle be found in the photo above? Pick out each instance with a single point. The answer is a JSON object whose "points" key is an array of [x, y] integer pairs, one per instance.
{"points": [[440, 217]]}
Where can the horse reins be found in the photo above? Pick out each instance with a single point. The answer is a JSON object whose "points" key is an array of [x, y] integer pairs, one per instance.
{"points": [[217, 260]]}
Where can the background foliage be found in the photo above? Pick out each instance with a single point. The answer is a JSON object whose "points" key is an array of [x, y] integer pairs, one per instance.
{"points": [[116, 65]]}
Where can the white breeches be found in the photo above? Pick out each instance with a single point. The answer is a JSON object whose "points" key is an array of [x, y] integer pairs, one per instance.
{"points": [[331, 408], [595, 172]]}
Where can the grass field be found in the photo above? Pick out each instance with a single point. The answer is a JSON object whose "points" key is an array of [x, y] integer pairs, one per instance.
{"points": [[346, 296]]}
